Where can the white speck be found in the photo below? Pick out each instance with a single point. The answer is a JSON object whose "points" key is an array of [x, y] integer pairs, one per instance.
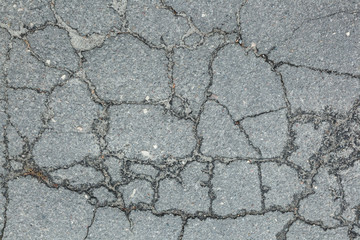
{"points": [[31, 25], [48, 62], [334, 33], [133, 193], [348, 34], [87, 196], [53, 120], [14, 6], [63, 77], [80, 129], [20, 9], [145, 111], [203, 15], [147, 98], [145, 154], [155, 146]]}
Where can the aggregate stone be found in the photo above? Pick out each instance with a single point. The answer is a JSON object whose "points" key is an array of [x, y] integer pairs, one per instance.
{"points": [[62, 148], [308, 140], [17, 166], [2, 208], [248, 227], [325, 203], [148, 19], [236, 187], [128, 74], [144, 169], [2, 160], [220, 136], [351, 185], [300, 230], [17, 14], [3, 119], [313, 91], [268, 132], [53, 45], [24, 70], [78, 175], [135, 129], [88, 16], [207, 15], [303, 32], [72, 108], [57, 214], [111, 223], [103, 195], [283, 184], [147, 226], [114, 166], [4, 42], [15, 142], [189, 195], [25, 109], [137, 191], [191, 71], [244, 83]]}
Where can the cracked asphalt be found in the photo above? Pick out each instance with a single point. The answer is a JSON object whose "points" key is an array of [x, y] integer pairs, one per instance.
{"points": [[180, 119]]}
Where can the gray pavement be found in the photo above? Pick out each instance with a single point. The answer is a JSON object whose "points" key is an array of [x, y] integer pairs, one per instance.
{"points": [[180, 119]]}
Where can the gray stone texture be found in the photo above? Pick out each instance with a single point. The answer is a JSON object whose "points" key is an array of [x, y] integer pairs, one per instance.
{"points": [[320, 34], [164, 119], [325, 204], [127, 74], [57, 214], [313, 91], [150, 20], [283, 183], [300, 230], [207, 15], [350, 181], [19, 14], [220, 136], [111, 223], [242, 193], [58, 148], [88, 17], [308, 142], [244, 83], [136, 129], [137, 191], [191, 71], [190, 195], [268, 132], [53, 46], [71, 108], [249, 227], [143, 169], [78, 175], [25, 110], [24, 70]]}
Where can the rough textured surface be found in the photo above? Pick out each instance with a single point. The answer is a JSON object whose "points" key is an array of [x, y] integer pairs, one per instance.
{"points": [[146, 132], [56, 214], [231, 198], [127, 74], [179, 119]]}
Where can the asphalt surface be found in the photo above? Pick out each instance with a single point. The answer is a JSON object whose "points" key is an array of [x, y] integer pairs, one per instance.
{"points": [[180, 119]]}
